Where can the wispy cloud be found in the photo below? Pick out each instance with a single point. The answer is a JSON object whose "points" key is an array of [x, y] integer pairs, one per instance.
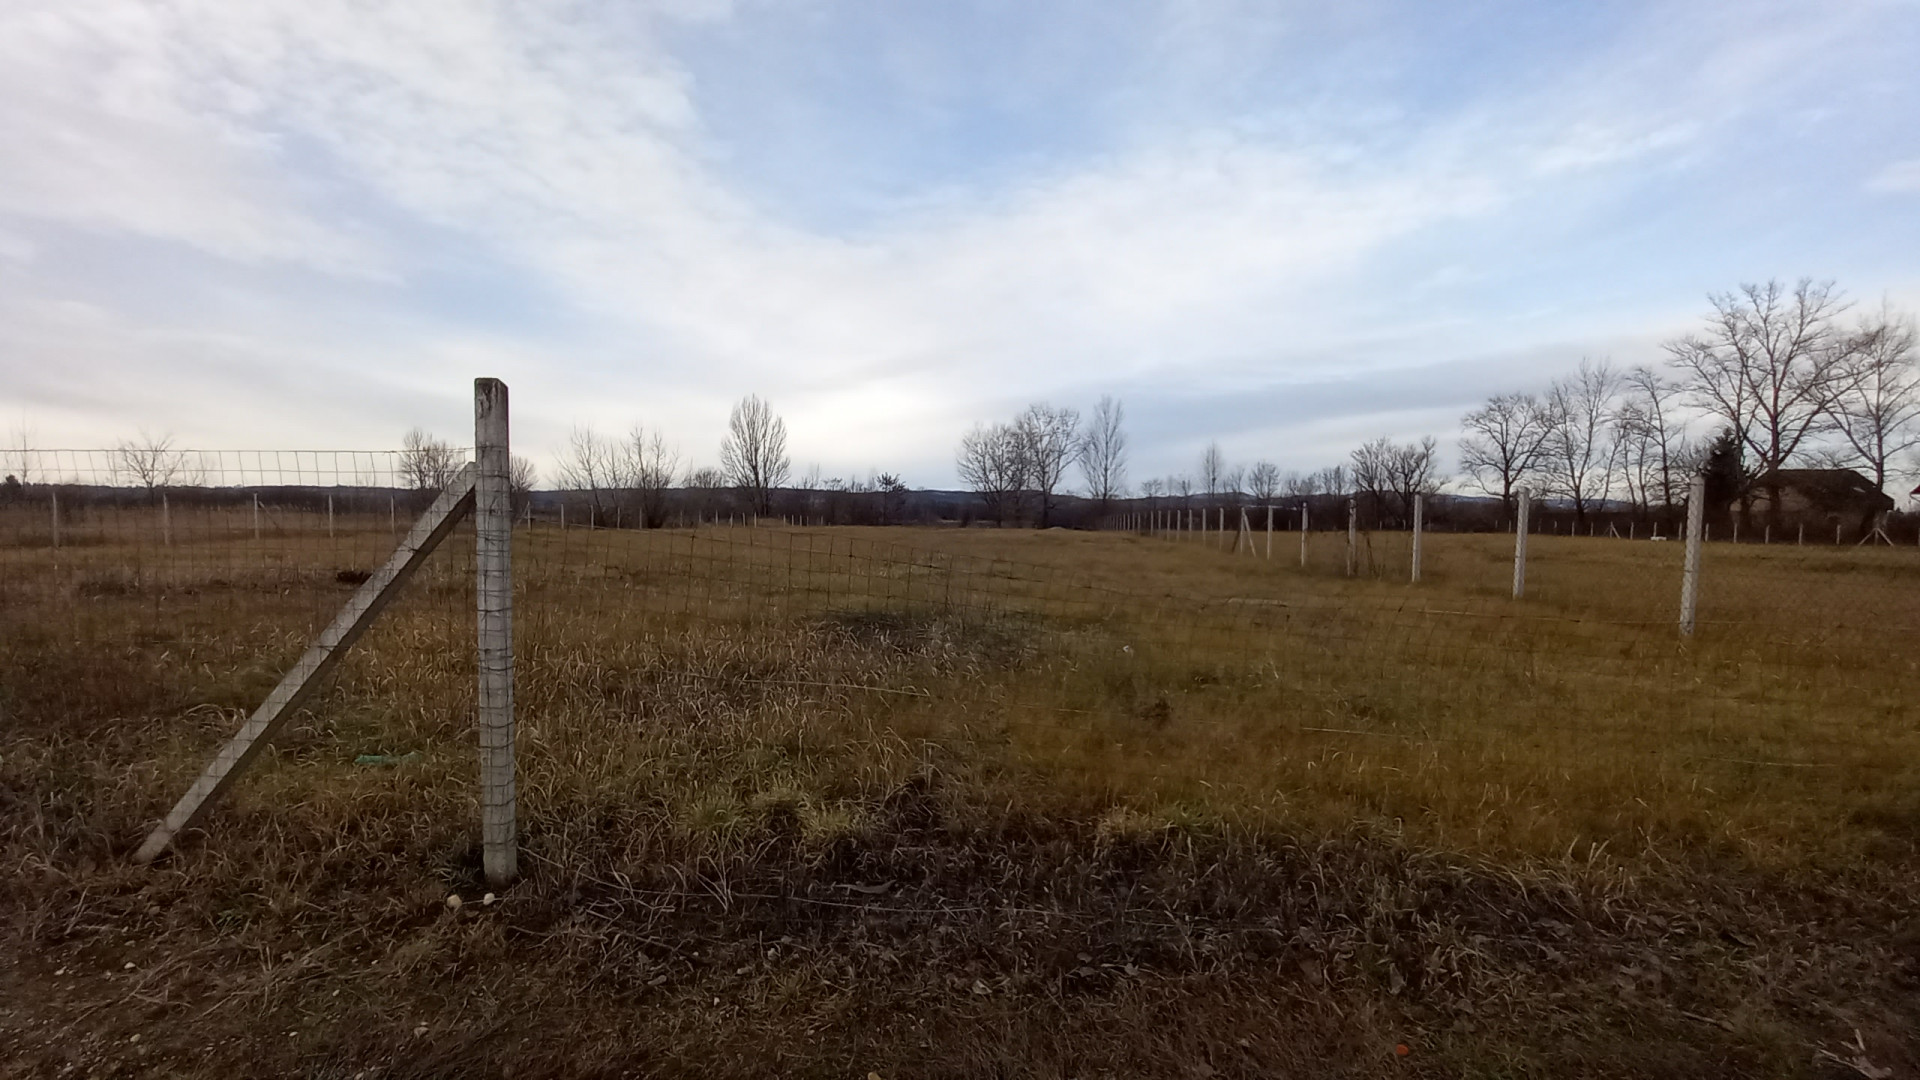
{"points": [[609, 203]]}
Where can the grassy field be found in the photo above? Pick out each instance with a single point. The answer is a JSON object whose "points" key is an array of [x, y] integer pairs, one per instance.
{"points": [[963, 802]]}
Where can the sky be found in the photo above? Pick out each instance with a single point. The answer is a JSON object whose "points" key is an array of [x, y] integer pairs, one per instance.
{"points": [[1288, 227]]}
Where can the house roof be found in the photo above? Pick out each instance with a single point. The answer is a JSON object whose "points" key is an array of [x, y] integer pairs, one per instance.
{"points": [[1827, 485]]}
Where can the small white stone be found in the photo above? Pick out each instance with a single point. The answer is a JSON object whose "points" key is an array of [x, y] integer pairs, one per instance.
{"points": [[453, 901], [487, 899], [128, 966]]}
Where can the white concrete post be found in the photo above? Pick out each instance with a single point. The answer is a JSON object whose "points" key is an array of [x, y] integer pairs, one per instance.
{"points": [[1269, 532], [493, 569], [1419, 509], [1303, 536], [1690, 569], [1353, 536], [56, 517], [256, 516], [166, 522], [329, 515], [1520, 545]]}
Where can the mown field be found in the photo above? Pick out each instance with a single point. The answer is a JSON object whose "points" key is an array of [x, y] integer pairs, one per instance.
{"points": [[960, 802]]}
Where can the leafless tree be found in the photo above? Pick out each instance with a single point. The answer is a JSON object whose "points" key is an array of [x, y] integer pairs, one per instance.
{"points": [[1771, 364], [152, 461], [1372, 474], [993, 462], [1234, 483], [1877, 411], [1414, 469], [1581, 452], [1389, 474], [1103, 453], [1654, 449], [521, 477], [1048, 437], [426, 463], [1503, 444], [754, 453], [1263, 481], [1213, 470], [594, 465], [648, 467], [1182, 486], [20, 453]]}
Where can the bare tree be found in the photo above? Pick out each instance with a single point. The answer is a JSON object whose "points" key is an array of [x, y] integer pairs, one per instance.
{"points": [[1878, 405], [521, 477], [1213, 469], [1263, 481], [19, 449], [594, 465], [1048, 437], [152, 461], [1182, 486], [1414, 469], [1103, 453], [1771, 364], [1503, 444], [1234, 483], [1581, 451], [993, 462], [426, 463], [648, 468], [754, 453], [1654, 450], [1389, 474]]}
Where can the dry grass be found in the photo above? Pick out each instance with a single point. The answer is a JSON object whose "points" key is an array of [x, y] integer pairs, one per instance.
{"points": [[964, 802]]}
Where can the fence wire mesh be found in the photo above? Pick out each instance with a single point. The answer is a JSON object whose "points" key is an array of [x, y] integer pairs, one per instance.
{"points": [[763, 669]]}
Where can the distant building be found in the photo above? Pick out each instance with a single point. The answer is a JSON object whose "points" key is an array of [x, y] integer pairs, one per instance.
{"points": [[1820, 497]]}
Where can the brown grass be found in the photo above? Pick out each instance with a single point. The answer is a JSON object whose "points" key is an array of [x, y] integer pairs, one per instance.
{"points": [[962, 802]]}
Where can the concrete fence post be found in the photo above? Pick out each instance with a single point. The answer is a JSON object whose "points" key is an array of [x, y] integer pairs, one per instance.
{"points": [[256, 516], [1419, 508], [1520, 545], [1353, 536], [1303, 536], [166, 521], [329, 516], [1690, 568], [493, 570], [1269, 532], [55, 493]]}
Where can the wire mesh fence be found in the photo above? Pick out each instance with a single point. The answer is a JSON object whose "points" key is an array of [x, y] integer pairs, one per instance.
{"points": [[1060, 668]]}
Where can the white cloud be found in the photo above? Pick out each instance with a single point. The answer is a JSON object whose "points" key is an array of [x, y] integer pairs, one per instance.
{"points": [[567, 144], [1901, 177]]}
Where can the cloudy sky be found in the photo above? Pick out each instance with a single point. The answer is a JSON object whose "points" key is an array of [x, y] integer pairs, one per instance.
{"points": [[1287, 226]]}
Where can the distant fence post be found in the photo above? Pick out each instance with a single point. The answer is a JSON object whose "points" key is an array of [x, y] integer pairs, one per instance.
{"points": [[493, 569], [1520, 545], [329, 516], [166, 521], [55, 493], [1690, 569], [1353, 536], [1303, 536], [1419, 506], [256, 515], [1269, 532]]}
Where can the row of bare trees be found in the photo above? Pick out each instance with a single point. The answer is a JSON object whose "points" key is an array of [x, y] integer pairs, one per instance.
{"points": [[1019, 467], [1779, 369], [1384, 475]]}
